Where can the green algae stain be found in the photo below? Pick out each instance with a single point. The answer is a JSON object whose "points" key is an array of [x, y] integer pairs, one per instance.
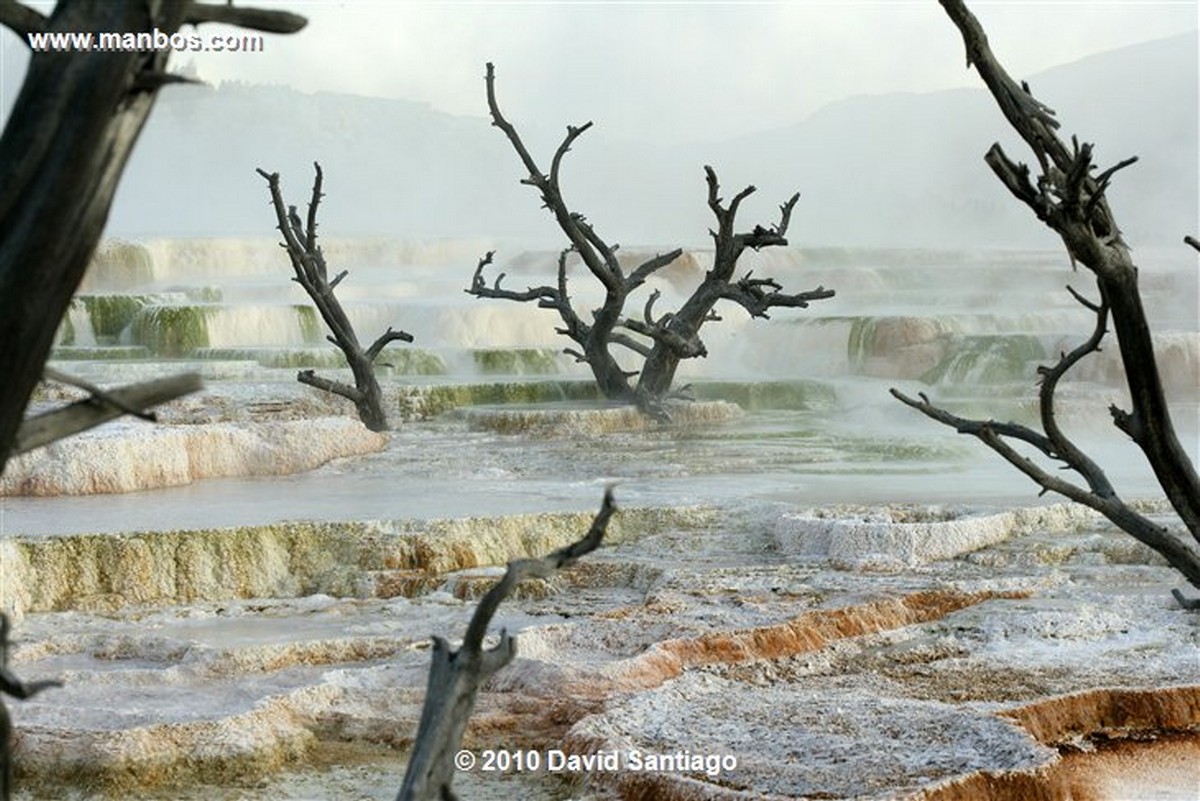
{"points": [[172, 331], [516, 361], [993, 359]]}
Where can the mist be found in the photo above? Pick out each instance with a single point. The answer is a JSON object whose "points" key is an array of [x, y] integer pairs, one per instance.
{"points": [[885, 151]]}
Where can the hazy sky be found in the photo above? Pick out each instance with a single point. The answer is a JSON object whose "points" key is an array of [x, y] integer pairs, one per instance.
{"points": [[663, 69], [689, 69]]}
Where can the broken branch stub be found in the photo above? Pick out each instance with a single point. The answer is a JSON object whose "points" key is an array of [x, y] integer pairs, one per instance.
{"points": [[11, 685], [456, 675]]}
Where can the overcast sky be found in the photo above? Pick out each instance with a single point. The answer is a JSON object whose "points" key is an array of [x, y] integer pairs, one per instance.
{"points": [[695, 70], [664, 70]]}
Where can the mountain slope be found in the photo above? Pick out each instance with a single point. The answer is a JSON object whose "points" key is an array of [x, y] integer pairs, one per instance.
{"points": [[896, 169]]}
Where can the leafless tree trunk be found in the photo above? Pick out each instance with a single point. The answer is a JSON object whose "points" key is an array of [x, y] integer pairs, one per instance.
{"points": [[666, 340], [62, 153], [455, 676], [308, 262], [70, 132], [1069, 197]]}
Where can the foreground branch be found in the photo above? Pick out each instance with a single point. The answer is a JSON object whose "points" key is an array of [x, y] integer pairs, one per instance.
{"points": [[456, 675], [64, 147], [102, 406], [256, 19], [1071, 200], [21, 19]]}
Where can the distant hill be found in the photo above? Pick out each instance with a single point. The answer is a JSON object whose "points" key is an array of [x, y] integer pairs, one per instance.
{"points": [[895, 169]]}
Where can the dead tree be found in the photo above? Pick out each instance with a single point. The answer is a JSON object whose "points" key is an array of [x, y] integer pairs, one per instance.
{"points": [[455, 676], [308, 262], [64, 147], [1069, 197], [11, 685], [66, 142], [663, 341]]}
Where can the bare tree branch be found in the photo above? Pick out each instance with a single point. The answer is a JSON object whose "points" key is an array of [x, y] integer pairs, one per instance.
{"points": [[102, 406], [681, 336], [385, 339], [257, 19], [21, 19], [750, 293], [348, 392], [651, 266], [1192, 241], [63, 150], [456, 675], [583, 239], [97, 393], [1068, 198]]}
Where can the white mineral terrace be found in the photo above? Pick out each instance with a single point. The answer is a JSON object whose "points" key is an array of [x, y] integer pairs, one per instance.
{"points": [[887, 650], [810, 591]]}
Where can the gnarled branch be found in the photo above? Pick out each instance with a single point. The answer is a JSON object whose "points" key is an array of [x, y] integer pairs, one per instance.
{"points": [[673, 336], [311, 272], [256, 19], [1071, 201], [756, 295], [456, 675]]}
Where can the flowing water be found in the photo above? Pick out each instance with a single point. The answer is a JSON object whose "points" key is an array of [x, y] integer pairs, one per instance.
{"points": [[967, 328]]}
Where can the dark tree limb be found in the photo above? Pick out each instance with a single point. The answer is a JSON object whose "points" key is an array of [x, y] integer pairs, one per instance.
{"points": [[11, 685], [312, 273], [756, 295], [64, 147], [1184, 601], [1192, 242], [597, 255], [257, 19], [21, 19], [681, 337], [456, 675], [1182, 554], [675, 335], [352, 394], [651, 266], [98, 394], [102, 406], [386, 338], [1070, 199]]}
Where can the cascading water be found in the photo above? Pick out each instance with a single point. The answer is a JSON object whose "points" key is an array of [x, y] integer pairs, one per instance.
{"points": [[232, 644], [968, 328]]}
